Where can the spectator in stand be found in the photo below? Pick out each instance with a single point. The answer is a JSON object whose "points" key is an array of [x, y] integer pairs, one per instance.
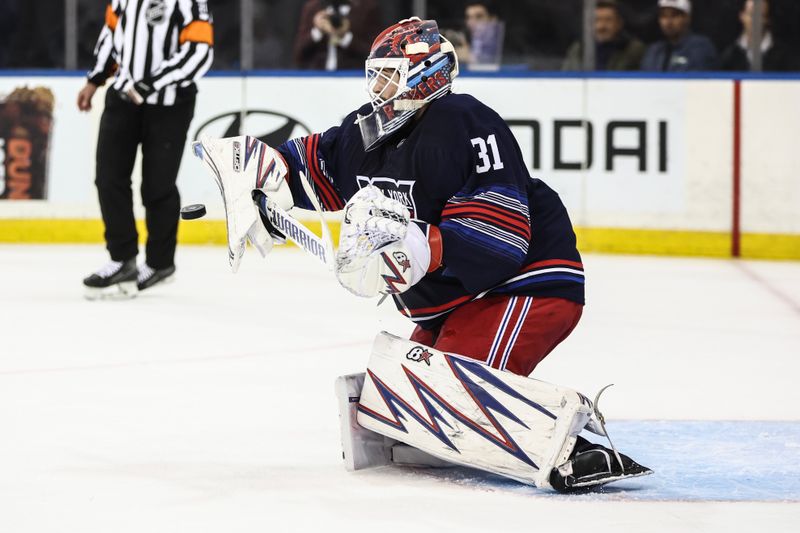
{"points": [[336, 34], [681, 50], [615, 48], [775, 57], [486, 34]]}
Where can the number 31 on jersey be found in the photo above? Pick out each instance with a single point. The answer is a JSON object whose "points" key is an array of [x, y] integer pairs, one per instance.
{"points": [[486, 160]]}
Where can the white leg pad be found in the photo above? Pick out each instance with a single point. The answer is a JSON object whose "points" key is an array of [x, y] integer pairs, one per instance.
{"points": [[362, 448], [403, 454], [464, 412]]}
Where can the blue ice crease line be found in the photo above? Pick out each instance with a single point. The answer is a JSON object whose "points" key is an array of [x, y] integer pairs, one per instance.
{"points": [[692, 460]]}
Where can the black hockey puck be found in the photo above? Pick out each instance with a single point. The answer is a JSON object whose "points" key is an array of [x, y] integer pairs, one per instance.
{"points": [[191, 212]]}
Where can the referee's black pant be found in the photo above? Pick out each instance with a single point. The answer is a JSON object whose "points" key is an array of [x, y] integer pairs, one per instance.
{"points": [[161, 131]]}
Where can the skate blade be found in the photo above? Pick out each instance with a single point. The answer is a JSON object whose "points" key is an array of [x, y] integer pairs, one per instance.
{"points": [[605, 480], [166, 281], [120, 291]]}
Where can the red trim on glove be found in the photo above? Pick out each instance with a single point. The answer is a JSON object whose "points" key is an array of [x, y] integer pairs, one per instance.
{"points": [[435, 244]]}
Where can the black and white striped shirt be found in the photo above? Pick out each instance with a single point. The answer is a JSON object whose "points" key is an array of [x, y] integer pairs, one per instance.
{"points": [[167, 44]]}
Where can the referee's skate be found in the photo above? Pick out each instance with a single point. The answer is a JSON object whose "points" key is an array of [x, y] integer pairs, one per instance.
{"points": [[115, 280]]}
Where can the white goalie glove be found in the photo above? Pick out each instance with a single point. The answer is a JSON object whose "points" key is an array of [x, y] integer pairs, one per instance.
{"points": [[380, 250], [241, 166]]}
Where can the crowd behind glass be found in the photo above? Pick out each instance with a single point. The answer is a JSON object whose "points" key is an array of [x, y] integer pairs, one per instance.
{"points": [[518, 35]]}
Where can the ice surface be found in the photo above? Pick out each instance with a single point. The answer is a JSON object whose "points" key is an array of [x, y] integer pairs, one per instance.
{"points": [[697, 461], [207, 405]]}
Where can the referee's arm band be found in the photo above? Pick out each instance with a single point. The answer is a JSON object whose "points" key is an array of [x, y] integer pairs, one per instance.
{"points": [[111, 17], [197, 31]]}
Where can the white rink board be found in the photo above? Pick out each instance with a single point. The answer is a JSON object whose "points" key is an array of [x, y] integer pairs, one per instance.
{"points": [[685, 185], [770, 157]]}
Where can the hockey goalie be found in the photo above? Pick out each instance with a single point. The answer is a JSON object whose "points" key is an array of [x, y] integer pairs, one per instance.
{"points": [[440, 213]]}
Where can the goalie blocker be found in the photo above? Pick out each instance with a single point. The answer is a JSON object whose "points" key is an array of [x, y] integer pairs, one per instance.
{"points": [[416, 405], [251, 178]]}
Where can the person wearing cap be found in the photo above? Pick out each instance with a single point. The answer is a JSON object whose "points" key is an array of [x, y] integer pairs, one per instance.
{"points": [[680, 50]]}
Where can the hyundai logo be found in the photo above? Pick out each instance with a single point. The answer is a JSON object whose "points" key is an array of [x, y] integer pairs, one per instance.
{"points": [[268, 126]]}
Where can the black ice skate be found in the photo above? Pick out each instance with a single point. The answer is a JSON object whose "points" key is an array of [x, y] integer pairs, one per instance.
{"points": [[153, 276], [116, 280], [591, 465]]}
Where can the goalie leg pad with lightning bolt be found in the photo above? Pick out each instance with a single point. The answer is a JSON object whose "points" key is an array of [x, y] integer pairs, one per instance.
{"points": [[362, 448], [462, 411]]}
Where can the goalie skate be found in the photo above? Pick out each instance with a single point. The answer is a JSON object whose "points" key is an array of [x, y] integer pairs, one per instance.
{"points": [[593, 465]]}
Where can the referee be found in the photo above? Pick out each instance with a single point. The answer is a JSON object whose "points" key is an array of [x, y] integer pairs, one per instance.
{"points": [[155, 50]]}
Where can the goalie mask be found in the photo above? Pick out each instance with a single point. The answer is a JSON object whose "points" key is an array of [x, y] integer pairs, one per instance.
{"points": [[409, 65]]}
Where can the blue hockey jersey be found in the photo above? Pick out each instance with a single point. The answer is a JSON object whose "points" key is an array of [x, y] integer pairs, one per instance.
{"points": [[457, 167]]}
